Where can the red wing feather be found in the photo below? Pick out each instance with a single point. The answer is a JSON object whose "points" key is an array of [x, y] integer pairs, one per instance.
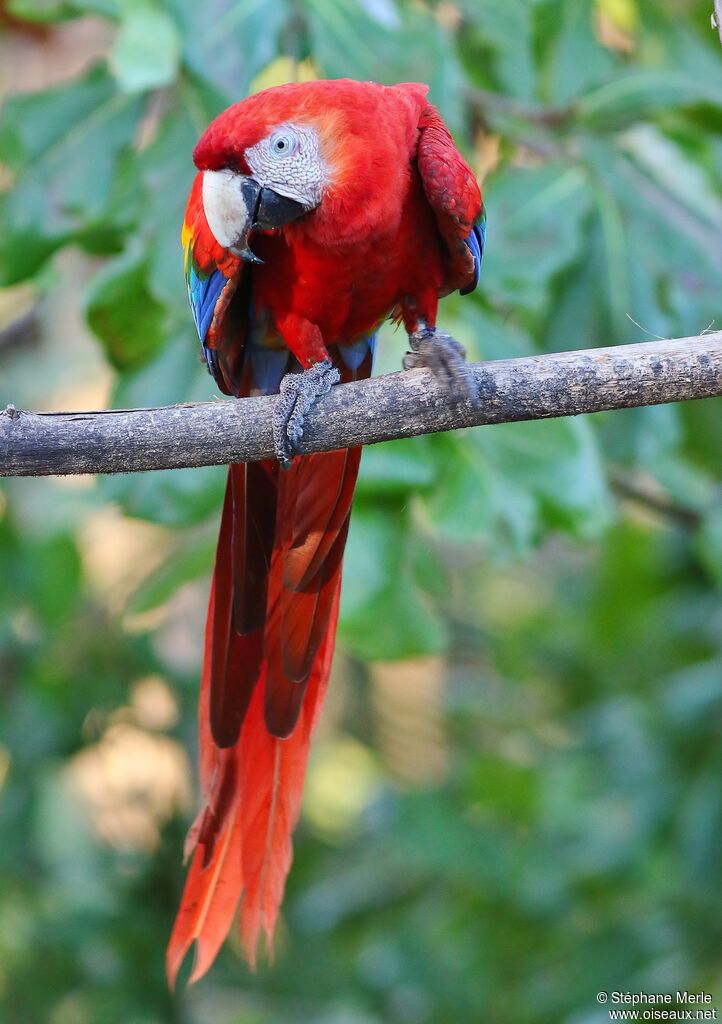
{"points": [[453, 194]]}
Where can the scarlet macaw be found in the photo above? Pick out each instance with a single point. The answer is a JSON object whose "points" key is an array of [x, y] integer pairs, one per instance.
{"points": [[319, 210]]}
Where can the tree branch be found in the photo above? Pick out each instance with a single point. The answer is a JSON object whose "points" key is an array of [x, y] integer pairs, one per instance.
{"points": [[23, 330], [396, 405], [485, 100]]}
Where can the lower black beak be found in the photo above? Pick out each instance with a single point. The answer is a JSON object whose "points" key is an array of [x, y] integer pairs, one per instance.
{"points": [[275, 210], [266, 209]]}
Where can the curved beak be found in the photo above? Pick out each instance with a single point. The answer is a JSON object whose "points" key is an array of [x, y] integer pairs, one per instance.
{"points": [[264, 209]]}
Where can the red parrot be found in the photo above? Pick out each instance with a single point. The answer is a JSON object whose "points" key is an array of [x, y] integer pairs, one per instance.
{"points": [[358, 207]]}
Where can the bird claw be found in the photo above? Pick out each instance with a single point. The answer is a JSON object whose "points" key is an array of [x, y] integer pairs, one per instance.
{"points": [[445, 358], [298, 393]]}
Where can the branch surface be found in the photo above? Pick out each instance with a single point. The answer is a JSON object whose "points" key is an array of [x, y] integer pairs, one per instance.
{"points": [[393, 406]]}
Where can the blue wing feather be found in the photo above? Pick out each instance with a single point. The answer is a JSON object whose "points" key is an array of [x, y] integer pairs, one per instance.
{"points": [[476, 240], [204, 292]]}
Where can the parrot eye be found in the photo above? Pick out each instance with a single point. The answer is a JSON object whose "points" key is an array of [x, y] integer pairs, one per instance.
{"points": [[282, 144], [288, 161]]}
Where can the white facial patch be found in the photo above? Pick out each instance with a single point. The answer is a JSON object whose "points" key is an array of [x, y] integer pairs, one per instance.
{"points": [[224, 207], [289, 162]]}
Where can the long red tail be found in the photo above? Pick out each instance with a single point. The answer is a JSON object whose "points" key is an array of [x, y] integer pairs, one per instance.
{"points": [[268, 646]]}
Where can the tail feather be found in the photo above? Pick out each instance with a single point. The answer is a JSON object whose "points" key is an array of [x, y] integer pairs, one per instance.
{"points": [[254, 517], [310, 548], [241, 842], [268, 646], [209, 901], [272, 776], [214, 881], [299, 602], [233, 659]]}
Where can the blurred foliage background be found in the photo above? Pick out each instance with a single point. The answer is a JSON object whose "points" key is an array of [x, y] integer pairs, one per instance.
{"points": [[515, 797]]}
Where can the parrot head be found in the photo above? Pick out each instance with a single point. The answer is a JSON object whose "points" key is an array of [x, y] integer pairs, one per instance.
{"points": [[263, 165], [339, 150]]}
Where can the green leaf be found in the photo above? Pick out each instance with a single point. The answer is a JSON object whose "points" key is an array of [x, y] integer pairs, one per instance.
{"points": [[397, 467], [506, 483], [665, 162], [49, 11], [165, 172], [179, 497], [399, 624], [642, 437], [695, 693], [41, 10], [146, 51], [33, 124], [558, 462], [383, 614], [460, 508], [702, 443], [44, 562], [350, 40], [585, 285], [536, 228], [65, 844], [64, 146], [177, 373], [123, 314], [576, 60], [507, 32], [709, 544], [483, 334], [104, 8], [682, 45], [374, 553], [228, 43], [641, 94], [503, 786], [660, 234]]}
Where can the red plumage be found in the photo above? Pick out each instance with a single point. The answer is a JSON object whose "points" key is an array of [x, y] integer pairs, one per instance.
{"points": [[387, 238]]}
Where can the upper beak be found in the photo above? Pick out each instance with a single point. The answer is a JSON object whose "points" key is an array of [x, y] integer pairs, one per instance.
{"points": [[264, 209]]}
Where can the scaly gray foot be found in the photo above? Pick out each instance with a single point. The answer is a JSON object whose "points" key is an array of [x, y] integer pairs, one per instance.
{"points": [[298, 393], [445, 358]]}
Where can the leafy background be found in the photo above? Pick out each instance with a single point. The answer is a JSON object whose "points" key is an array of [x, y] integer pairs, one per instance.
{"points": [[515, 797]]}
